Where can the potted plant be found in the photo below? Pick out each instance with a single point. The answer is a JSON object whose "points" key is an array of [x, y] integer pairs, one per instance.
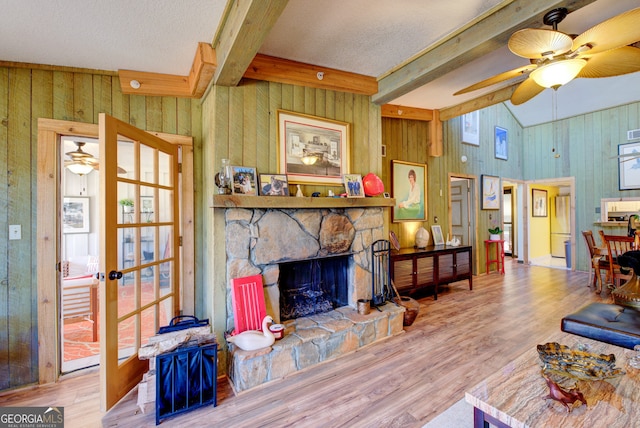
{"points": [[127, 204], [494, 233]]}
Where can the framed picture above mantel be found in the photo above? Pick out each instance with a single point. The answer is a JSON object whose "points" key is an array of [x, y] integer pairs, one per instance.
{"points": [[312, 150]]}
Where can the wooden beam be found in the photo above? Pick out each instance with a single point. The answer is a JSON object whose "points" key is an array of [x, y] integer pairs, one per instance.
{"points": [[478, 103], [395, 111], [467, 45], [272, 69], [157, 84], [245, 27], [436, 147]]}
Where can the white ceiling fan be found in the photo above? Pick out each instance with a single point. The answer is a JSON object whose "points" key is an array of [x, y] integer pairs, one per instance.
{"points": [[82, 163], [557, 58]]}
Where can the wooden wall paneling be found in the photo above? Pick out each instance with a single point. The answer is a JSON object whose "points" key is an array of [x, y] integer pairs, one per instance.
{"points": [[275, 101], [236, 125], [82, 97], [120, 108], [153, 113], [310, 101], [321, 103], [63, 95], [262, 133], [170, 115], [5, 363], [101, 96], [298, 99], [249, 139], [22, 303], [137, 111]]}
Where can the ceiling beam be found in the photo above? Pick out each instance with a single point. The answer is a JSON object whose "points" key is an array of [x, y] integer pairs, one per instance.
{"points": [[272, 69], [394, 111], [478, 103], [242, 32], [471, 43], [156, 84]]}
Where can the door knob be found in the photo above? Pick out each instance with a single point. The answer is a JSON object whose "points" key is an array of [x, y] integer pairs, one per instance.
{"points": [[114, 274]]}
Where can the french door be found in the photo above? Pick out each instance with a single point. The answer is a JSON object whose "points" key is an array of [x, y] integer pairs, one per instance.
{"points": [[140, 240]]}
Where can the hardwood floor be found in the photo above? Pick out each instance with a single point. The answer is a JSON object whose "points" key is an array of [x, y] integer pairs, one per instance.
{"points": [[404, 381]]}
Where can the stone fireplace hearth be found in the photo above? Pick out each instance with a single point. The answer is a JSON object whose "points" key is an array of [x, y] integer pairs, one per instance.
{"points": [[262, 240]]}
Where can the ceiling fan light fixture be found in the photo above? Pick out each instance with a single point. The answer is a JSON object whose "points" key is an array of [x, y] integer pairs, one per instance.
{"points": [[80, 168], [557, 73], [309, 159]]}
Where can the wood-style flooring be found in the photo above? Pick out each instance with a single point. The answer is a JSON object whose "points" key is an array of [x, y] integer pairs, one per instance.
{"points": [[403, 381]]}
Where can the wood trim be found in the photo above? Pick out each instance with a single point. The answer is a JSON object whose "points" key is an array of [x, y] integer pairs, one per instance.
{"points": [[49, 67], [48, 176], [193, 85], [272, 69], [396, 111], [481, 102], [235, 201], [436, 147]]}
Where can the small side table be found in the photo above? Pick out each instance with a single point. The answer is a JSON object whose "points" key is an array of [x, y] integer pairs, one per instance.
{"points": [[499, 260]]}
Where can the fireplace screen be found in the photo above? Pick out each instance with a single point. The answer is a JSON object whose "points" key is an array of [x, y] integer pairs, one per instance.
{"points": [[313, 286]]}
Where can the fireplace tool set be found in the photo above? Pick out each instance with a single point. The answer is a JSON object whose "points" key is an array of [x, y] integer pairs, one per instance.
{"points": [[380, 273]]}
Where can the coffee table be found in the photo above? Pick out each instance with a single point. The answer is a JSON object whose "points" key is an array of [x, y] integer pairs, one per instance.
{"points": [[514, 396]]}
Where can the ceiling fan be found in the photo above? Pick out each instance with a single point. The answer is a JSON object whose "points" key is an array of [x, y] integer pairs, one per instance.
{"points": [[82, 163], [557, 58]]}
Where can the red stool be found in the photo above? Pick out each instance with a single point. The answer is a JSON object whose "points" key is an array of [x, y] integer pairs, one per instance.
{"points": [[499, 260]]}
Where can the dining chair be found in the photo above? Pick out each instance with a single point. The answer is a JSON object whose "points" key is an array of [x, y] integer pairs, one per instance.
{"points": [[599, 260], [616, 246]]}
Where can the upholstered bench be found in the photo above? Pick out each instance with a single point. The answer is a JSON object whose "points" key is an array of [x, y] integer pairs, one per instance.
{"points": [[609, 323]]}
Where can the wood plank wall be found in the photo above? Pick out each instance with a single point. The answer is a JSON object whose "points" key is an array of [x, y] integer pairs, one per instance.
{"points": [[587, 146], [240, 124], [26, 95]]}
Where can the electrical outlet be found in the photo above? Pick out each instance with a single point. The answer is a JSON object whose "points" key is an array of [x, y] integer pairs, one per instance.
{"points": [[15, 232]]}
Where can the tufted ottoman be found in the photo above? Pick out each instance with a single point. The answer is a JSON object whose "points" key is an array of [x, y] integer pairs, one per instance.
{"points": [[614, 324]]}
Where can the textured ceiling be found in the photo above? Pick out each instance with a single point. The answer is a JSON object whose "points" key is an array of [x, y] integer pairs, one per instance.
{"points": [[368, 37]]}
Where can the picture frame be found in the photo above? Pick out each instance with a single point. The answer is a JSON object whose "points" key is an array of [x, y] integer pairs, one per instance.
{"points": [[244, 181], [273, 185], [471, 128], [411, 198], [490, 192], [501, 143], [436, 231], [75, 214], [353, 185], [538, 203], [629, 166], [312, 150]]}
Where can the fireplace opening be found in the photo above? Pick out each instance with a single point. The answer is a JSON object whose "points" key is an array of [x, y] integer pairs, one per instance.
{"points": [[313, 286]]}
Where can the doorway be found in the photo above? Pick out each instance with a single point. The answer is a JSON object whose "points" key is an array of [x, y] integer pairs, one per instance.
{"points": [[49, 224], [462, 203]]}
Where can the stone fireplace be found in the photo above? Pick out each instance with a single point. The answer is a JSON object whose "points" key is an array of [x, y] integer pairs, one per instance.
{"points": [[322, 257]]}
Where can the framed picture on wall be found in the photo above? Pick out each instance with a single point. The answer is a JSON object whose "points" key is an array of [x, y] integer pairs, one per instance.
{"points": [[490, 192], [75, 214], [539, 203], [502, 146], [312, 150], [408, 186], [629, 166], [471, 128]]}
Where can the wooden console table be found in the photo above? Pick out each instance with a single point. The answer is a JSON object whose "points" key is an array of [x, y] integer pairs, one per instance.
{"points": [[413, 269], [514, 396]]}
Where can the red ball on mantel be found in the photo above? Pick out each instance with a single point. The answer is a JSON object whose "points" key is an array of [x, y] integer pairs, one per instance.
{"points": [[373, 185]]}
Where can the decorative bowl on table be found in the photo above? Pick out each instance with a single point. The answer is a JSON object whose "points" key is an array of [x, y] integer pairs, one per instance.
{"points": [[565, 361]]}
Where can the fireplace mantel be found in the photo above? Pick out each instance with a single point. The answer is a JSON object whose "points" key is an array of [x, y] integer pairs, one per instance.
{"points": [[292, 202]]}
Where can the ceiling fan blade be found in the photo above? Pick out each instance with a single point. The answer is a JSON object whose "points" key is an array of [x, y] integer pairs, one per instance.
{"points": [[621, 30], [612, 63], [527, 90], [537, 43], [498, 78], [120, 169]]}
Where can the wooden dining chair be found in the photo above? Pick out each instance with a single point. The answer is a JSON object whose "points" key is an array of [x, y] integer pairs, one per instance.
{"points": [[617, 245], [599, 260]]}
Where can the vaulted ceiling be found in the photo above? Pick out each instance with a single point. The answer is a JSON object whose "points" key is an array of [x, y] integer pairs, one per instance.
{"points": [[414, 53]]}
